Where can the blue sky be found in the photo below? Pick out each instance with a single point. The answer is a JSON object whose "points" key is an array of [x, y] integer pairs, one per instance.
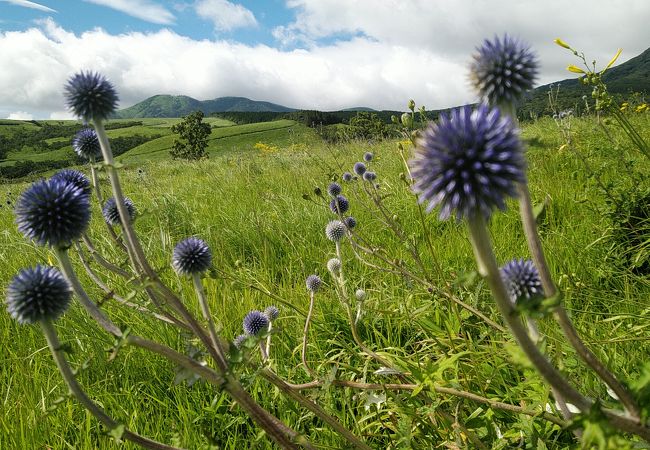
{"points": [[312, 54]]}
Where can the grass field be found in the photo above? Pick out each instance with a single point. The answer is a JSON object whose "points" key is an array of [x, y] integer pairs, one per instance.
{"points": [[267, 238]]}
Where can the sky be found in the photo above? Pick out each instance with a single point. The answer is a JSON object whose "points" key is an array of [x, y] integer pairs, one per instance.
{"points": [[306, 54]]}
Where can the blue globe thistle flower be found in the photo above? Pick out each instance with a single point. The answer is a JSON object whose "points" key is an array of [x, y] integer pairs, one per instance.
{"points": [[350, 222], [334, 265], [38, 293], [339, 204], [90, 96], [359, 168], [75, 177], [190, 256], [272, 312], [369, 176], [334, 189], [86, 144], [503, 70], [239, 340], [313, 283], [335, 230], [255, 323], [111, 213], [53, 212], [468, 162], [522, 281], [367, 157], [347, 177]]}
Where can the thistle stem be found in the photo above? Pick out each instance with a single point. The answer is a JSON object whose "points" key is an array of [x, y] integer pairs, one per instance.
{"points": [[76, 390], [205, 309], [98, 193], [305, 336]]}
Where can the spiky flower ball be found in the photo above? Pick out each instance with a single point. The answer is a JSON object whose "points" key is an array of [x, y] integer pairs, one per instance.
{"points": [[350, 222], [239, 340], [335, 230], [313, 283], [347, 177], [86, 144], [75, 177], [334, 189], [369, 176], [190, 256], [468, 162], [503, 70], [111, 213], [360, 294], [272, 312], [339, 204], [255, 323], [53, 212], [522, 281], [334, 266], [359, 168], [90, 96], [367, 157], [38, 293]]}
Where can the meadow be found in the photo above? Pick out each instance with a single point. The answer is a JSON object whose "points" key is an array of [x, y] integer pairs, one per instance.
{"points": [[260, 214]]}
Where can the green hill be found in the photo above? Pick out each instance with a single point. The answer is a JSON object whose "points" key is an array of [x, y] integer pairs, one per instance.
{"points": [[182, 105]]}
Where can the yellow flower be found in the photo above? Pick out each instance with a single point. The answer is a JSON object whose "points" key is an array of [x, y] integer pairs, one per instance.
{"points": [[561, 43]]}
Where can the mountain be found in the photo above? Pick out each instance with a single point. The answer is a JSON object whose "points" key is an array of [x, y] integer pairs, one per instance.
{"points": [[623, 80], [182, 105]]}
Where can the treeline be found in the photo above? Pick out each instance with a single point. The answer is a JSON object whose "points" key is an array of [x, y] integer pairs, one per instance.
{"points": [[310, 118]]}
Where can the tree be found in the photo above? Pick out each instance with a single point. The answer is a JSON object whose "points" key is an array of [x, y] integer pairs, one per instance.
{"points": [[193, 137], [366, 125]]}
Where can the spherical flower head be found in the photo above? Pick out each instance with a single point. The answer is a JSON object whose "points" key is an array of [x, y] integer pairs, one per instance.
{"points": [[503, 70], [239, 340], [53, 212], [339, 204], [334, 266], [75, 177], [367, 157], [350, 222], [369, 176], [190, 256], [313, 283], [359, 168], [272, 312], [255, 323], [468, 163], [38, 293], [86, 144], [335, 230], [347, 177], [334, 189], [111, 213], [90, 96], [522, 281], [360, 294]]}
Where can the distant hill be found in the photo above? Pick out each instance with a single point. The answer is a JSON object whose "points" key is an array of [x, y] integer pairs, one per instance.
{"points": [[182, 105], [624, 79]]}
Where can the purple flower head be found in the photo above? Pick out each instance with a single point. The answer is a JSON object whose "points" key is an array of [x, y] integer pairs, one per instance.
{"points": [[468, 163], [38, 293], [313, 283], [86, 144], [334, 265], [347, 177], [339, 204], [53, 212], [367, 157], [522, 281], [503, 70], [90, 96], [190, 256], [239, 340], [350, 222], [111, 213], [335, 230], [369, 176], [334, 189], [255, 323], [75, 177], [359, 168], [272, 312]]}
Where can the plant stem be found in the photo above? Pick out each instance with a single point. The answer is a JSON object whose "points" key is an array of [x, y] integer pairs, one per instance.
{"points": [[205, 309], [305, 336], [68, 376]]}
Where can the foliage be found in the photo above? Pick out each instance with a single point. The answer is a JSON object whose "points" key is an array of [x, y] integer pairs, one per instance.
{"points": [[367, 125], [193, 137]]}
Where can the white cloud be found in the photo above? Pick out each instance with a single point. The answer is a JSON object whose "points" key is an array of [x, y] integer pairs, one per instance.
{"points": [[225, 15], [142, 9], [20, 115], [28, 4]]}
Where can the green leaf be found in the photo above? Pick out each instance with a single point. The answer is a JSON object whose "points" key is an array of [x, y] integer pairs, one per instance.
{"points": [[117, 432]]}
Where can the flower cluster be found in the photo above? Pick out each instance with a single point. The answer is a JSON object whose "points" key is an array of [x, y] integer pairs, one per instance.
{"points": [[191, 256]]}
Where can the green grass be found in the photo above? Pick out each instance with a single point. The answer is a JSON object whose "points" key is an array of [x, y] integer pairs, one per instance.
{"points": [[250, 208]]}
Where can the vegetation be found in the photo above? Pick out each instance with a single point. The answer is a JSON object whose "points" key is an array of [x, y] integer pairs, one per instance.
{"points": [[193, 137]]}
